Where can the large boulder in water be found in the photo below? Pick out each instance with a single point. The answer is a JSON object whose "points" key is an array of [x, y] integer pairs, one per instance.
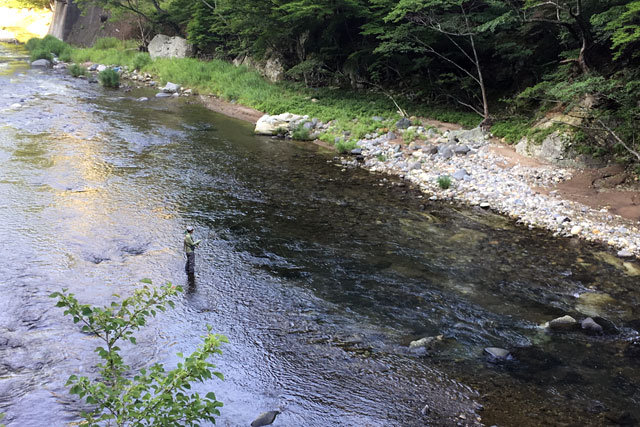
{"points": [[170, 47]]}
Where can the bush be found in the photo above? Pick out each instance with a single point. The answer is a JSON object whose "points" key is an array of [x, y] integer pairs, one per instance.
{"points": [[77, 70], [41, 53], [444, 181], [345, 146], [109, 78], [107, 43], [301, 133], [152, 396], [139, 61]]}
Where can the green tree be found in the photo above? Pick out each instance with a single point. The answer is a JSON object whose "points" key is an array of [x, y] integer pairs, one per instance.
{"points": [[452, 31], [154, 396]]}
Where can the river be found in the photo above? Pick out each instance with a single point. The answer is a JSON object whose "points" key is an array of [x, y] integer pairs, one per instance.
{"points": [[320, 277]]}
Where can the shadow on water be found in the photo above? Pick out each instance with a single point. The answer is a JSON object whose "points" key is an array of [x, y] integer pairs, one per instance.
{"points": [[320, 278]]}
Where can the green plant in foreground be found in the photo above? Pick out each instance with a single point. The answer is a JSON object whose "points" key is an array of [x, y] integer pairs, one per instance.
{"points": [[77, 70], [109, 78], [153, 397], [444, 181]]}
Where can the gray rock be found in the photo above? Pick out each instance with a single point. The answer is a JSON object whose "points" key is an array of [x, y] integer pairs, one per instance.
{"points": [[142, 99], [101, 68], [337, 139], [430, 149], [485, 205], [391, 136], [308, 125], [563, 323], [461, 149], [169, 47], [356, 151], [624, 253], [265, 419], [415, 165], [163, 95], [473, 135], [498, 353], [460, 174], [377, 118], [93, 67], [41, 63], [591, 327], [403, 123], [445, 152], [171, 88]]}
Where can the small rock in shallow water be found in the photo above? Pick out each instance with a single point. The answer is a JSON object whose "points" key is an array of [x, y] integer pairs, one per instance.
{"points": [[576, 229], [425, 342], [484, 205], [265, 419], [591, 327], [498, 353], [563, 323]]}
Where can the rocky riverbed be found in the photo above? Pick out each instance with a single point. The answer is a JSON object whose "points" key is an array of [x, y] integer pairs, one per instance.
{"points": [[480, 177]]}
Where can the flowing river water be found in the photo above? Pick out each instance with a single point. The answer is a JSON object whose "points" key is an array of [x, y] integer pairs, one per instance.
{"points": [[319, 277]]}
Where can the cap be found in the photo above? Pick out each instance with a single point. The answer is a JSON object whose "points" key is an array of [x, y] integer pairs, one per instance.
{"points": [[190, 228]]}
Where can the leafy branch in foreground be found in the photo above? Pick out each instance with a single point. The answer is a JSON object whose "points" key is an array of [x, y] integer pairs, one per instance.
{"points": [[154, 396]]}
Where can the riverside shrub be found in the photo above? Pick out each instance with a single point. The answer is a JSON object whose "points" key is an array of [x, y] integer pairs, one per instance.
{"points": [[109, 78], [153, 396], [77, 70]]}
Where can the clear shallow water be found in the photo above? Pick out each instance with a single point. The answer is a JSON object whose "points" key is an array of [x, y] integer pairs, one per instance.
{"points": [[320, 278]]}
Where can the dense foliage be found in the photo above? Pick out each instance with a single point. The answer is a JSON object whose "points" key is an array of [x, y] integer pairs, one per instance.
{"points": [[494, 57], [153, 396]]}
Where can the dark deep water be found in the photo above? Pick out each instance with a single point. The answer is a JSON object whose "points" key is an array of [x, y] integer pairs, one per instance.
{"points": [[320, 278]]}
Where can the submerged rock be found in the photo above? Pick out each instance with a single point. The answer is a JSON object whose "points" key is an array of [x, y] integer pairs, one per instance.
{"points": [[498, 353]]}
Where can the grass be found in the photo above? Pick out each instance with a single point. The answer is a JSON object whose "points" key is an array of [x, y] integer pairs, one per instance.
{"points": [[444, 181]]}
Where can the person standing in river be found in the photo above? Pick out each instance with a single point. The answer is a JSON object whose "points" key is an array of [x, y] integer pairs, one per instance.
{"points": [[189, 249]]}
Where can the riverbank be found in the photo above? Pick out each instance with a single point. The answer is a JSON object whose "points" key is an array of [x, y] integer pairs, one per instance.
{"points": [[485, 173], [424, 152]]}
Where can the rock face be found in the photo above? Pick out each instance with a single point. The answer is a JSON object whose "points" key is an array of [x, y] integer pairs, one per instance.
{"points": [[271, 67], [41, 63], [170, 47], [83, 28]]}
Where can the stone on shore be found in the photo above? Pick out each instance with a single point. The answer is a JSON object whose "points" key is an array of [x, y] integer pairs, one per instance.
{"points": [[403, 123], [41, 63], [625, 253], [171, 88]]}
